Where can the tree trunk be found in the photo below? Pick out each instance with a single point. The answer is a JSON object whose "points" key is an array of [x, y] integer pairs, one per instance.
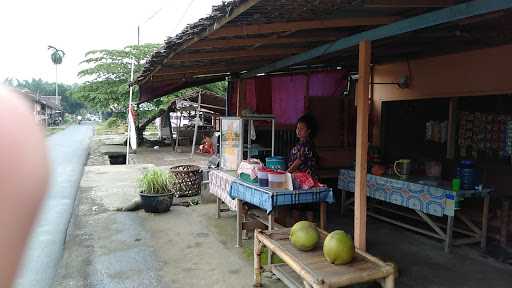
{"points": [[139, 130]]}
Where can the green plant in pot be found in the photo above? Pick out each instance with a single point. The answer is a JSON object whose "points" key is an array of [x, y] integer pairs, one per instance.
{"points": [[155, 191]]}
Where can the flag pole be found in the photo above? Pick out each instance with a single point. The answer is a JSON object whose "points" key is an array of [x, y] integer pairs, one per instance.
{"points": [[128, 116], [197, 123]]}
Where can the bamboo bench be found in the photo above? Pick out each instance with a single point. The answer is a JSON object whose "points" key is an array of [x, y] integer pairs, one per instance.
{"points": [[311, 269]]}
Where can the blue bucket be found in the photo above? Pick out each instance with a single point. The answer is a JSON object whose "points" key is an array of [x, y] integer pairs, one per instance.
{"points": [[276, 162]]}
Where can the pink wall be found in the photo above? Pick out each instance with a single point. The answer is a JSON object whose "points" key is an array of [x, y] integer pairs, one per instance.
{"points": [[250, 94], [331, 83], [288, 94]]}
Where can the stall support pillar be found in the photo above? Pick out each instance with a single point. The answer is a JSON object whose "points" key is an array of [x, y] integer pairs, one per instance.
{"points": [[362, 102]]}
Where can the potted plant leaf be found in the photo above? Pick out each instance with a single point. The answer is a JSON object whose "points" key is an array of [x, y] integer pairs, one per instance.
{"points": [[155, 191]]}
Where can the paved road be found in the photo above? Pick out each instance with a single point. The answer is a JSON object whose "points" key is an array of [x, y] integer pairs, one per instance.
{"points": [[68, 152]]}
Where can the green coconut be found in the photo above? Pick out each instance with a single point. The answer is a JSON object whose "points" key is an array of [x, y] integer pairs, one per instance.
{"points": [[304, 235], [338, 248]]}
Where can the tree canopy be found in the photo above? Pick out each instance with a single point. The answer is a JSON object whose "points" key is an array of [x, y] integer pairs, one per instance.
{"points": [[57, 55], [108, 75], [44, 88]]}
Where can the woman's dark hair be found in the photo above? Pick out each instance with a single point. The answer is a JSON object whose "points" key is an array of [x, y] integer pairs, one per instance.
{"points": [[310, 122]]}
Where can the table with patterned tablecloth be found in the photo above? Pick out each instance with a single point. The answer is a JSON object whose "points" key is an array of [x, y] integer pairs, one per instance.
{"points": [[220, 183], [424, 197]]}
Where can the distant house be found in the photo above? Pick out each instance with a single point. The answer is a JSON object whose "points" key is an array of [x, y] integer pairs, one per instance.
{"points": [[45, 110], [182, 117], [54, 110]]}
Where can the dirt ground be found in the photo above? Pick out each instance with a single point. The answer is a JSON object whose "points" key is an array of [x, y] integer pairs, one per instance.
{"points": [[190, 247], [186, 247]]}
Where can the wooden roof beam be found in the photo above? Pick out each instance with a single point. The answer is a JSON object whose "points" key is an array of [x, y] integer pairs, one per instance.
{"points": [[188, 77], [441, 16], [203, 69], [235, 54], [407, 3], [268, 40], [301, 25]]}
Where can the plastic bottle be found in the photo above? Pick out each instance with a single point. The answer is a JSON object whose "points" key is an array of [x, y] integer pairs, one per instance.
{"points": [[456, 191]]}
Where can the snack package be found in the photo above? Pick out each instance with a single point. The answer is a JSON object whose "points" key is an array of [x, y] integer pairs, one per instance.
{"points": [[303, 180]]}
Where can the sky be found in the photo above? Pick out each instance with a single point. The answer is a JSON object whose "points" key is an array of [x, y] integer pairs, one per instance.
{"points": [[27, 27]]}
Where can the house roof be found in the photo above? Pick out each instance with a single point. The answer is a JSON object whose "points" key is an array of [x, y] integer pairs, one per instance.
{"points": [[50, 100], [243, 35], [44, 100], [210, 102]]}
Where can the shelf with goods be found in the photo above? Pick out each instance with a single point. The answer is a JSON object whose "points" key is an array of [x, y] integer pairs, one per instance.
{"points": [[249, 145]]}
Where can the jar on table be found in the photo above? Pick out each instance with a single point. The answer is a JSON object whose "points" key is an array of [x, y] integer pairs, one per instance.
{"points": [[467, 174], [277, 180]]}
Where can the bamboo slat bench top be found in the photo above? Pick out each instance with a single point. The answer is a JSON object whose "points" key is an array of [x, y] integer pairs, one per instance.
{"points": [[317, 271]]}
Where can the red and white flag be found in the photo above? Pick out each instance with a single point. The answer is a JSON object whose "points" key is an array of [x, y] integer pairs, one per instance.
{"points": [[132, 116]]}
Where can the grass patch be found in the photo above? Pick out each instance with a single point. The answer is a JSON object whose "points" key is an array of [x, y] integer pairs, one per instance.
{"points": [[111, 126], [53, 130]]}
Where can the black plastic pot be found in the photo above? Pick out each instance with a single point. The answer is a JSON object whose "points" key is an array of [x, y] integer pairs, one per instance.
{"points": [[156, 203]]}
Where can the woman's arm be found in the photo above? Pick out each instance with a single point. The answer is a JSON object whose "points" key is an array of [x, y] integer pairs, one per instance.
{"points": [[295, 166]]}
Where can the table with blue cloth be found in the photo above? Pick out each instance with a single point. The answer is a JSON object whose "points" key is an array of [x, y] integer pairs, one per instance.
{"points": [[426, 197], [269, 199]]}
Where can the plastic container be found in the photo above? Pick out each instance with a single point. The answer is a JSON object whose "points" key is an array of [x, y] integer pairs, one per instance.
{"points": [[247, 178], [467, 174], [456, 189], [276, 162], [262, 177], [277, 180]]}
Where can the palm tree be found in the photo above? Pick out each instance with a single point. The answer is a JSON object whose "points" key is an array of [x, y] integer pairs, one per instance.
{"points": [[56, 56]]}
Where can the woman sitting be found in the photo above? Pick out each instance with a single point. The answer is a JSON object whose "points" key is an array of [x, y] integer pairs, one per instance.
{"points": [[206, 145], [303, 156]]}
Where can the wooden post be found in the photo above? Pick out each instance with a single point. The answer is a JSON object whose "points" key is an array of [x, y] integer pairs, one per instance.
{"points": [[504, 222], [238, 223], [449, 234], [257, 260], [323, 215], [237, 96], [270, 226], [485, 219], [375, 113], [452, 125], [218, 207], [346, 119], [362, 100]]}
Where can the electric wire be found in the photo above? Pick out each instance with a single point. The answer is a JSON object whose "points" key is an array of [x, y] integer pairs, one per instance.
{"points": [[183, 15]]}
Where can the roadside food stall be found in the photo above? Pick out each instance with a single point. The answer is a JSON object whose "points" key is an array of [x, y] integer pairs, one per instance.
{"points": [[394, 48]]}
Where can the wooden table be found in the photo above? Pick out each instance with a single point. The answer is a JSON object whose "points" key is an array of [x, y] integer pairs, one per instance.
{"points": [[219, 185], [311, 269], [269, 199], [426, 200]]}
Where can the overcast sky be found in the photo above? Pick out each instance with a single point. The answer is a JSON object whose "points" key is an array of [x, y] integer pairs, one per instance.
{"points": [[76, 26]]}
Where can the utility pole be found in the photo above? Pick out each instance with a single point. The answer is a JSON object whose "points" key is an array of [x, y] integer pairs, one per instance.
{"points": [[130, 109]]}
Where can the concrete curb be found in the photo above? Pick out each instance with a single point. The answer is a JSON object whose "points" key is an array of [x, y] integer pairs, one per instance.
{"points": [[68, 151]]}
